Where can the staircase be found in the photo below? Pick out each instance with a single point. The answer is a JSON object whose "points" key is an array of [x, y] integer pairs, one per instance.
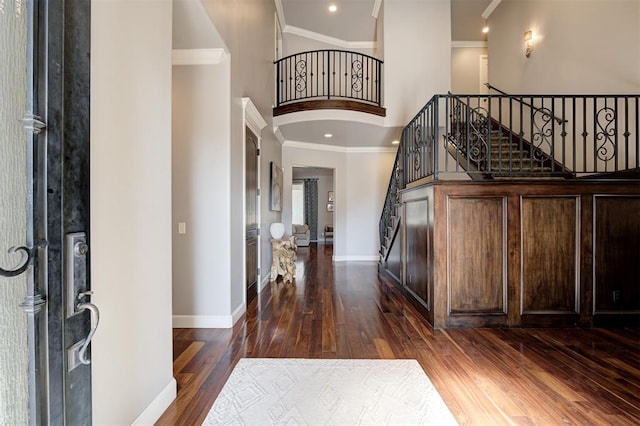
{"points": [[512, 137], [485, 145], [505, 156], [390, 231], [391, 212]]}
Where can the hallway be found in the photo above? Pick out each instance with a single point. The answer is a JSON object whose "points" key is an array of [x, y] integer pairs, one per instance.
{"points": [[486, 376]]}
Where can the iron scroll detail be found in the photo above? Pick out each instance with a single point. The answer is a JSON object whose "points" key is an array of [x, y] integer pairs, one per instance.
{"points": [[33, 125], [27, 255]]}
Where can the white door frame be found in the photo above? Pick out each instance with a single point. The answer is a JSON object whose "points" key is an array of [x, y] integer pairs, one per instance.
{"points": [[252, 119]]}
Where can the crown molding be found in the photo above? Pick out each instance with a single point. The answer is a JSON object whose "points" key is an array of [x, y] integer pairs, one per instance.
{"points": [[252, 116], [336, 148], [489, 10], [370, 149], [197, 56], [278, 134], [469, 43], [280, 13], [314, 146], [376, 8], [288, 29]]}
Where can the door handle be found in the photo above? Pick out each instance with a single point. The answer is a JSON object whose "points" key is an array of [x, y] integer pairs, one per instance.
{"points": [[95, 319]]}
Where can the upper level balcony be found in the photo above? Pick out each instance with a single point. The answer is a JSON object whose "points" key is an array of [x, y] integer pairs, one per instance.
{"points": [[329, 79]]}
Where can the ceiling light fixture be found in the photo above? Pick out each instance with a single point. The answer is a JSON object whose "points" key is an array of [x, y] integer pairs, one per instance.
{"points": [[485, 29], [333, 8], [328, 135], [396, 142]]}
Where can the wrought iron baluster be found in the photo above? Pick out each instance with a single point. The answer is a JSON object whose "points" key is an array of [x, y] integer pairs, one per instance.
{"points": [[626, 133], [606, 120], [542, 133]]}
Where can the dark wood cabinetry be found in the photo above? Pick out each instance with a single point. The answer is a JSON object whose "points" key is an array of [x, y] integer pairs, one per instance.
{"points": [[523, 253]]}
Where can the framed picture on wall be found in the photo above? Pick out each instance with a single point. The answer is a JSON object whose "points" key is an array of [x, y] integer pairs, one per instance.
{"points": [[276, 188], [331, 196], [329, 207]]}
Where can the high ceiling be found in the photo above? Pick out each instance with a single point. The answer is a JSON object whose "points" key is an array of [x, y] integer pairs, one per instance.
{"points": [[354, 22]]}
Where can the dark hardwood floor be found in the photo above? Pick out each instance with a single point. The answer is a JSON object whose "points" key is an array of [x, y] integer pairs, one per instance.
{"points": [[486, 376]]}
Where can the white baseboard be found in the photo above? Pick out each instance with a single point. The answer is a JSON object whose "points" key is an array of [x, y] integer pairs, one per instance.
{"points": [[152, 413], [209, 321], [352, 258], [202, 321], [263, 283], [238, 313]]}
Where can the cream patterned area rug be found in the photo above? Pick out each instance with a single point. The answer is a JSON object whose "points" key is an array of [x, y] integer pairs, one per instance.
{"points": [[263, 391]]}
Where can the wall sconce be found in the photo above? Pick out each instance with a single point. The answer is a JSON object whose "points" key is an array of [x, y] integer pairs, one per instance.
{"points": [[528, 43]]}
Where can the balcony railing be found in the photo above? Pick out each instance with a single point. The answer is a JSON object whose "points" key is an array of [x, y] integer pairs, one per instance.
{"points": [[324, 75], [522, 135], [517, 136]]}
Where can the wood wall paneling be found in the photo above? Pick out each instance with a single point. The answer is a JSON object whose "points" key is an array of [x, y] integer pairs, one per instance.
{"points": [[524, 253], [417, 233], [514, 261], [394, 261], [550, 255], [476, 255], [616, 254]]}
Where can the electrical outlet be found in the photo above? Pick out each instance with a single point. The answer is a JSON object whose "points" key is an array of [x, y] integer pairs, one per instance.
{"points": [[617, 295]]}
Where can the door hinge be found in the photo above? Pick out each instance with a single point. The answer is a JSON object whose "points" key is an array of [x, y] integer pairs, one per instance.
{"points": [[257, 192], [258, 272], [258, 152], [258, 232]]}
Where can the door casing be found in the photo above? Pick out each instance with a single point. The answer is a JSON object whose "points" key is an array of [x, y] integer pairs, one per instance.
{"points": [[254, 121]]}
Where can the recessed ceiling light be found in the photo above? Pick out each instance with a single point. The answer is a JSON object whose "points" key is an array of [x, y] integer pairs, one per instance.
{"points": [[396, 142], [333, 8], [485, 29], [328, 135]]}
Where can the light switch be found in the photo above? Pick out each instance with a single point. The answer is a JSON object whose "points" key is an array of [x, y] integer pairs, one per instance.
{"points": [[182, 228]]}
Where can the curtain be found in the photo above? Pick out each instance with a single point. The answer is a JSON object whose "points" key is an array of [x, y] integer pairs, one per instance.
{"points": [[311, 206]]}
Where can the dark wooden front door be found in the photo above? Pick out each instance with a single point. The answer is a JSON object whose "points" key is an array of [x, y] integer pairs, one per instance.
{"points": [[61, 313], [251, 232], [51, 99]]}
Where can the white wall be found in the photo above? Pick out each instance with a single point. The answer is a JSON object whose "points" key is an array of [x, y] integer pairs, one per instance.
{"points": [[325, 184], [586, 46], [417, 56], [131, 209], [465, 69], [294, 43], [581, 47], [13, 219], [247, 29], [360, 181], [367, 176], [200, 139], [192, 27], [270, 150], [325, 217]]}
